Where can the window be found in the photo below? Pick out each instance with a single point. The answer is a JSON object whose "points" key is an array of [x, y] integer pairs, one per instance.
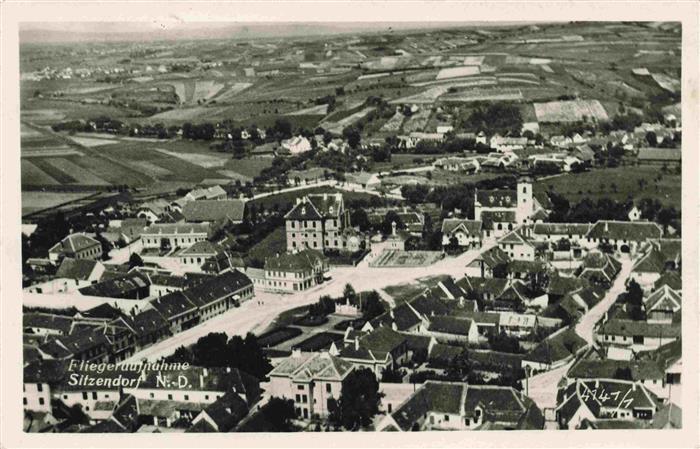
{"points": [[447, 418], [151, 395], [170, 397], [304, 399], [298, 398], [300, 387], [41, 401], [328, 388], [39, 387], [94, 395], [24, 400], [206, 396], [187, 397], [85, 396]]}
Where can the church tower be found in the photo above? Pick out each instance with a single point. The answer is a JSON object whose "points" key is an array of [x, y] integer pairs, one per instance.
{"points": [[526, 203]]}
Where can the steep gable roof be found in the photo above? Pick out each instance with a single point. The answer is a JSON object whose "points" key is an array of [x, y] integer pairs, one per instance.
{"points": [[214, 210], [635, 231], [78, 269], [73, 244], [453, 225]]}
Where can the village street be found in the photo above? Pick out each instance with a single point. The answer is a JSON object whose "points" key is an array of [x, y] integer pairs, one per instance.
{"points": [[254, 317], [542, 388]]}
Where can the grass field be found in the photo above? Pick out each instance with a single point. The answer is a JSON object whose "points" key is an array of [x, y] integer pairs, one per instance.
{"points": [[249, 167], [598, 183], [34, 200], [33, 175]]}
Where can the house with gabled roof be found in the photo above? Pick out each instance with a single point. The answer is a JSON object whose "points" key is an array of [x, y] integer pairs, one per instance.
{"points": [[604, 400], [599, 268], [484, 264], [178, 310], [517, 246], [623, 236], [450, 329], [312, 380], [663, 255], [466, 232], [193, 257], [379, 349], [292, 272], [661, 305], [647, 372], [208, 193], [178, 235], [439, 405], [316, 221], [554, 232], [76, 246], [226, 211], [637, 335], [519, 202]]}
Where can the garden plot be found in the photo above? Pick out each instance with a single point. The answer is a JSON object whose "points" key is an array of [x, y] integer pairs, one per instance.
{"points": [[474, 60], [204, 90], [395, 259], [394, 123], [321, 109], [338, 126], [55, 151], [501, 94], [203, 160], [150, 168], [230, 174], [179, 90], [456, 72], [91, 142], [417, 121], [77, 172], [187, 114], [33, 175], [569, 111], [27, 132]]}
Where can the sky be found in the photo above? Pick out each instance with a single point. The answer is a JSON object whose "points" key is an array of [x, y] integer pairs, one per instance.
{"points": [[178, 30]]}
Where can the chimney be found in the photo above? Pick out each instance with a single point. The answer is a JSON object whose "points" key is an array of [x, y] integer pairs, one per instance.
{"points": [[357, 344], [606, 226], [461, 301], [393, 228], [634, 386]]}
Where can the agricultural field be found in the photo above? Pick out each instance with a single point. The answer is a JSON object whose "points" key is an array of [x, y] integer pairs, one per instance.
{"points": [[617, 183], [34, 201], [569, 111]]}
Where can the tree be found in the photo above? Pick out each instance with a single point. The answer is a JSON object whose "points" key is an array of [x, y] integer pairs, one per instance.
{"points": [[349, 293], [352, 135], [358, 217], [359, 400], [279, 413], [650, 137], [135, 261], [460, 366], [393, 375], [212, 350]]}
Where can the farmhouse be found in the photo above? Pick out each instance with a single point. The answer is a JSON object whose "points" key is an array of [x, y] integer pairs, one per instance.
{"points": [[485, 263], [311, 175], [439, 405], [133, 285], [664, 255], [517, 246], [623, 236], [76, 246], [508, 144], [662, 305], [296, 145], [554, 232], [208, 193], [599, 268], [659, 156], [293, 272], [316, 221], [168, 236], [467, 233], [637, 335], [218, 211], [449, 329], [154, 210], [458, 164], [195, 255]]}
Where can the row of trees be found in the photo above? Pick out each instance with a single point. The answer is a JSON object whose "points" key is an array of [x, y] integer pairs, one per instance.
{"points": [[217, 350]]}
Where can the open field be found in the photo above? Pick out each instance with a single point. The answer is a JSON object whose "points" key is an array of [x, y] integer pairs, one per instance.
{"points": [[33, 201], [212, 160], [598, 183], [273, 243], [33, 175], [91, 141], [249, 167], [569, 111], [337, 127]]}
